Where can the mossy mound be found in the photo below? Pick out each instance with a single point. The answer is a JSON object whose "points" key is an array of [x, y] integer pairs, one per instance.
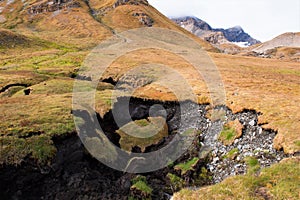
{"points": [[231, 131], [140, 188], [147, 132]]}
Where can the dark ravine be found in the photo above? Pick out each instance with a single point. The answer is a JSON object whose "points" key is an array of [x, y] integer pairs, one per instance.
{"points": [[74, 174], [3, 89]]}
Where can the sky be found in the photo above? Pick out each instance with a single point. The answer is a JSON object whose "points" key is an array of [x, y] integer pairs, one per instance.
{"points": [[262, 19]]}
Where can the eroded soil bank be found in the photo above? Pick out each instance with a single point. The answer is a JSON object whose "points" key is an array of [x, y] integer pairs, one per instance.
{"points": [[74, 174]]}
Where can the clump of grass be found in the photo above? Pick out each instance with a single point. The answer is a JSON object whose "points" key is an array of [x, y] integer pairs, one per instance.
{"points": [[227, 135], [231, 131], [138, 178], [232, 153], [187, 166], [253, 165], [42, 149], [176, 183], [39, 148], [203, 177], [140, 188]]}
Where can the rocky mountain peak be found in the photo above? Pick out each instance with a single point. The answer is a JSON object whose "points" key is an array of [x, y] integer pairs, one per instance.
{"points": [[184, 21], [217, 35], [239, 28]]}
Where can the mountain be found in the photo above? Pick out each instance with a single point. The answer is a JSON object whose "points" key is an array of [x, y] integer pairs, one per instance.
{"points": [[75, 22], [235, 35], [284, 40], [284, 47]]}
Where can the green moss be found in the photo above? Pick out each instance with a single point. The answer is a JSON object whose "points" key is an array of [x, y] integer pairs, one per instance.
{"points": [[140, 188], [251, 161], [42, 149], [176, 183], [138, 178], [13, 150], [170, 163], [155, 126], [227, 135], [253, 164], [232, 153], [188, 166], [142, 122], [204, 175]]}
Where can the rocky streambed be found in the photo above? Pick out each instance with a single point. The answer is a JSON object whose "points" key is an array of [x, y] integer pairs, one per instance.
{"points": [[242, 146]]}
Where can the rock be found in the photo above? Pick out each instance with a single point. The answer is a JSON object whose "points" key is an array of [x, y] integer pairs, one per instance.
{"points": [[215, 160], [52, 6], [252, 122]]}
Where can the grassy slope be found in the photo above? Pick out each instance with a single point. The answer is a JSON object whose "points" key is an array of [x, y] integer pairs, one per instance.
{"points": [[280, 181], [42, 52], [121, 19]]}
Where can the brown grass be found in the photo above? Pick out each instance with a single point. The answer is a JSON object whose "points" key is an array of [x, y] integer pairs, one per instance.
{"points": [[269, 86]]}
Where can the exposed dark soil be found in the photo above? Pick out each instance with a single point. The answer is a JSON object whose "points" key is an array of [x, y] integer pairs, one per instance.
{"points": [[3, 89], [74, 174]]}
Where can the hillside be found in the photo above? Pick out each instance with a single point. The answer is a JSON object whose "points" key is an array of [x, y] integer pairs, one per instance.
{"points": [[283, 47], [285, 40], [46, 46]]}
